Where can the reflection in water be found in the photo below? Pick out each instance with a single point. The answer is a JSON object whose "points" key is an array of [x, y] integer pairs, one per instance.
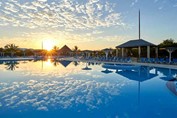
{"points": [[170, 76], [76, 63], [11, 65], [57, 90], [140, 75], [86, 67], [55, 63], [1, 62], [144, 74], [68, 88], [172, 86], [65, 94], [65, 63], [107, 71], [48, 62]]}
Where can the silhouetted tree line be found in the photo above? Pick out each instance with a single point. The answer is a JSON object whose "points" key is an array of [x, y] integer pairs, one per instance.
{"points": [[13, 50]]}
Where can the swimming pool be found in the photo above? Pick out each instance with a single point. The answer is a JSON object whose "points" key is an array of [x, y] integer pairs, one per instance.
{"points": [[49, 89]]}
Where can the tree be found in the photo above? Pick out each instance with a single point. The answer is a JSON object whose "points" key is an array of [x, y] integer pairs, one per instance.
{"points": [[1, 49], [1, 52], [29, 52], [11, 48], [75, 50], [55, 50], [168, 43]]}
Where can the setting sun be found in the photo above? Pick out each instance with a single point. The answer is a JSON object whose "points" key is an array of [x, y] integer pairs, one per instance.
{"points": [[48, 44]]}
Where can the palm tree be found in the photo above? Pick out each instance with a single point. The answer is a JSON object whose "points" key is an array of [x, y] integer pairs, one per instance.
{"points": [[11, 48], [55, 50], [75, 50]]}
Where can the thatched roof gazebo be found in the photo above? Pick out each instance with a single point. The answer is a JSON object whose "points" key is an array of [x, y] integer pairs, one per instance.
{"points": [[65, 50]]}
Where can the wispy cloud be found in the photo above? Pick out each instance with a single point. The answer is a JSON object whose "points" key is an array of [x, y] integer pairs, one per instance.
{"points": [[160, 8], [134, 2], [66, 20], [116, 38], [64, 14], [155, 1], [175, 5]]}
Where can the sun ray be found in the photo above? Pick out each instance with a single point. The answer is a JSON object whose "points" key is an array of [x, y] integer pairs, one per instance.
{"points": [[48, 44]]}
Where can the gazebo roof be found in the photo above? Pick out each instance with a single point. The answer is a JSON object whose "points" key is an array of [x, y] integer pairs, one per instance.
{"points": [[135, 43], [65, 48]]}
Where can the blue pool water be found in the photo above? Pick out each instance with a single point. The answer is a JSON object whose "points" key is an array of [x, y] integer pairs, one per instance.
{"points": [[64, 89]]}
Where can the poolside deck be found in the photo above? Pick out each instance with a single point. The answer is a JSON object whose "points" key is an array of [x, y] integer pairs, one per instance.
{"points": [[136, 63]]}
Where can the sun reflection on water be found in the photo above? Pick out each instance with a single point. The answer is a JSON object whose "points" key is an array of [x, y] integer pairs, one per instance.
{"points": [[48, 63]]}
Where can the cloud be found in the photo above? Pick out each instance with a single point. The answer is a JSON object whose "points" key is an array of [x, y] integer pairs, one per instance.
{"points": [[115, 38], [64, 21], [175, 5], [155, 1], [160, 8], [133, 3], [42, 0], [66, 14]]}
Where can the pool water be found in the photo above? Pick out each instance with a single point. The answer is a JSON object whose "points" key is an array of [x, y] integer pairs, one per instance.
{"points": [[64, 89]]}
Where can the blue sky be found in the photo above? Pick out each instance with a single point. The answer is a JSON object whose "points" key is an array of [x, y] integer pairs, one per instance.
{"points": [[89, 24]]}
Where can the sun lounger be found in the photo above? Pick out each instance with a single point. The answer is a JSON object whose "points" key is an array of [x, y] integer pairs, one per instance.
{"points": [[174, 61], [142, 60], [151, 60], [161, 60]]}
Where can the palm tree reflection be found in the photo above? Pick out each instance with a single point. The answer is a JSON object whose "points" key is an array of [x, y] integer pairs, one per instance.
{"points": [[55, 63], [11, 65], [75, 63], [86, 67]]}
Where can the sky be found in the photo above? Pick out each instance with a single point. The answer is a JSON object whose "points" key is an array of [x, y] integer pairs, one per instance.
{"points": [[88, 24]]}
